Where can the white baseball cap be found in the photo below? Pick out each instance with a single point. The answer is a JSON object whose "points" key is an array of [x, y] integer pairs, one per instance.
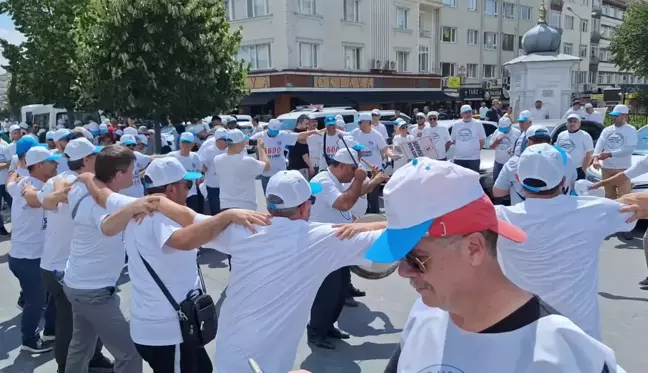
{"points": [[220, 133], [364, 117], [288, 189], [93, 127], [574, 116], [525, 115], [49, 135], [167, 170], [420, 114], [504, 123], [589, 106], [619, 110], [542, 162], [14, 127], [142, 138], [130, 131], [142, 130], [274, 125], [127, 140], [433, 114], [339, 117], [187, 137], [340, 122], [466, 109], [85, 133], [235, 136], [80, 148], [375, 112], [345, 156], [351, 142], [537, 130], [430, 198], [38, 154], [103, 128], [119, 132]]}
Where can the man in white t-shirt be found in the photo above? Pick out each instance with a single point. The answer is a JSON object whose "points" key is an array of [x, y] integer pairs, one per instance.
{"points": [[61, 137], [27, 243], [419, 128], [578, 144], [560, 265], [502, 142], [328, 141], [613, 151], [191, 163], [483, 109], [135, 188], [439, 134], [316, 146], [5, 162], [212, 147], [468, 138], [593, 115], [377, 125], [539, 112], [525, 122], [447, 245], [275, 142], [275, 276], [80, 155], [575, 109]]}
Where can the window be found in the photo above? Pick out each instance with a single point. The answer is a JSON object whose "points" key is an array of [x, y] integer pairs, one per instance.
{"points": [[583, 51], [554, 19], [307, 7], [308, 53], [569, 23], [489, 71], [401, 18], [509, 11], [228, 10], [508, 42], [352, 58], [584, 25], [584, 2], [450, 3], [473, 37], [448, 34], [448, 69], [520, 41], [402, 61], [490, 40], [525, 13], [257, 8], [471, 70], [568, 48], [490, 7], [257, 55], [594, 51], [352, 10], [424, 58], [472, 5]]}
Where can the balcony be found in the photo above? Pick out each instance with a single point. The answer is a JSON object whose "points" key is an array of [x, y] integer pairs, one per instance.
{"points": [[556, 5], [595, 37]]}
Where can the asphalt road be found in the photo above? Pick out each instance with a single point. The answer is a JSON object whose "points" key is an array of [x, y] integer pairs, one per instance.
{"points": [[376, 324]]}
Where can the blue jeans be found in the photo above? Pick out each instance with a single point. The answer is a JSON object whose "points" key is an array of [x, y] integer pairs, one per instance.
{"points": [[213, 197], [27, 271]]}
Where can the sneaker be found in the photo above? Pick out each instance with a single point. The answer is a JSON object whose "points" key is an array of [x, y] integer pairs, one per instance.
{"points": [[644, 282], [101, 362], [48, 337], [37, 346], [4, 232], [356, 293], [350, 302], [20, 304], [321, 342], [336, 333]]}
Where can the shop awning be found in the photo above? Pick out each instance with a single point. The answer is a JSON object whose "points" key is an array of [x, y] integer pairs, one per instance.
{"points": [[345, 98]]}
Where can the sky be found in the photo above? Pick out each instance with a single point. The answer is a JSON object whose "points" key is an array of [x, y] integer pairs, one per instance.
{"points": [[9, 33]]}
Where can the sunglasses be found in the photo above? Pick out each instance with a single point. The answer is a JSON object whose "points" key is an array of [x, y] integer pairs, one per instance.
{"points": [[312, 199], [418, 264], [189, 183]]}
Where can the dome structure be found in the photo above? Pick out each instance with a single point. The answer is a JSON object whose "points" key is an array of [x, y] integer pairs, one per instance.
{"points": [[541, 38]]}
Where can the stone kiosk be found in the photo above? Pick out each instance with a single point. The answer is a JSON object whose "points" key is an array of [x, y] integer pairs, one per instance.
{"points": [[542, 73]]}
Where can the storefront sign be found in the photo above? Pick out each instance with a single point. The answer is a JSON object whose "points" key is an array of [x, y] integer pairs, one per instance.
{"points": [[454, 82], [257, 82], [471, 93], [343, 82], [493, 94]]}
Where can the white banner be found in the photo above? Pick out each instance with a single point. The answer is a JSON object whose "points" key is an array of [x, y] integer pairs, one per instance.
{"points": [[423, 147]]}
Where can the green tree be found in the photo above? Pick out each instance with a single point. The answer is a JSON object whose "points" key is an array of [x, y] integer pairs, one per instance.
{"points": [[16, 97], [158, 58], [628, 45]]}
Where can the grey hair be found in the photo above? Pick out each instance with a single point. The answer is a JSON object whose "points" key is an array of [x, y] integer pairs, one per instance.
{"points": [[279, 212]]}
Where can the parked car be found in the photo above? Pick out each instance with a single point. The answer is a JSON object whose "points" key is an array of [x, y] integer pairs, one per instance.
{"points": [[289, 120], [247, 128], [639, 183]]}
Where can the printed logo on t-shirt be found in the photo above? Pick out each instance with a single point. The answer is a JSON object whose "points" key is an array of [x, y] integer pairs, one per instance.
{"points": [[567, 144], [465, 134], [346, 215], [44, 223], [615, 140], [274, 152], [441, 368], [367, 153], [505, 144], [435, 137]]}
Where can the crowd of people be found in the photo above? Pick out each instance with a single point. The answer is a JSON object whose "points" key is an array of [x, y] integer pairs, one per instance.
{"points": [[495, 281]]}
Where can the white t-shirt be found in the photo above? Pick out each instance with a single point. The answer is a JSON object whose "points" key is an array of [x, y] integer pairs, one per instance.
{"points": [[330, 149], [153, 320], [323, 211], [400, 140], [440, 137], [206, 153], [571, 111], [315, 145], [137, 189], [237, 175], [62, 165], [577, 144], [96, 260], [274, 147], [539, 114], [13, 166], [373, 143], [502, 154], [467, 136], [595, 117], [58, 234], [5, 156], [620, 140], [638, 168], [29, 224], [482, 112], [381, 130], [432, 343], [275, 276], [191, 163], [417, 132], [560, 259]]}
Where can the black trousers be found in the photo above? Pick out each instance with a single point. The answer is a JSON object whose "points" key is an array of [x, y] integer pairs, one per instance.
{"points": [[63, 323], [196, 203], [329, 302], [471, 164], [373, 199], [580, 174], [162, 358]]}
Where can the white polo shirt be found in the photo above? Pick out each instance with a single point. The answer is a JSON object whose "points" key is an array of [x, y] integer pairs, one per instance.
{"points": [[274, 147], [382, 130], [614, 139], [153, 321], [96, 260], [137, 189], [502, 154], [323, 211], [560, 259], [373, 143], [432, 343], [206, 153], [191, 163], [58, 234], [29, 224], [467, 136], [577, 144], [237, 175], [275, 276]]}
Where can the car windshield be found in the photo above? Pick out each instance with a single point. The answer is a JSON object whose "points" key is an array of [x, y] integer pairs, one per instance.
{"points": [[288, 124], [247, 130], [642, 141]]}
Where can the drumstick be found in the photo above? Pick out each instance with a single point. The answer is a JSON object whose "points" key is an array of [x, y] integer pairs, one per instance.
{"points": [[254, 366]]}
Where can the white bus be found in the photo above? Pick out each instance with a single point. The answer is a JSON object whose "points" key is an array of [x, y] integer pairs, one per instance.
{"points": [[47, 116]]}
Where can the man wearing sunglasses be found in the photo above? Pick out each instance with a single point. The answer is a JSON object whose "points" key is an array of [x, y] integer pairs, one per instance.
{"points": [[470, 317]]}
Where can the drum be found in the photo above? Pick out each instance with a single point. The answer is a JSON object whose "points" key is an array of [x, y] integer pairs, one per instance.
{"points": [[374, 271]]}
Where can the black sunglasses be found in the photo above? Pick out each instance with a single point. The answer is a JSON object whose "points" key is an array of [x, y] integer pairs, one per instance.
{"points": [[312, 199]]}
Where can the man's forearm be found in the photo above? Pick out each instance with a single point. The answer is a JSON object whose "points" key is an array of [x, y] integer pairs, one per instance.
{"points": [[370, 186], [198, 234], [31, 197], [51, 201], [263, 157], [348, 199], [116, 223]]}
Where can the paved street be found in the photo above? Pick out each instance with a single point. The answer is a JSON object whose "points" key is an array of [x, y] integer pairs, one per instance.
{"points": [[376, 324]]}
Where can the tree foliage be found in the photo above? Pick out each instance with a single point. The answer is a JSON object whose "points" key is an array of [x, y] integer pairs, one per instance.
{"points": [[628, 45], [158, 58]]}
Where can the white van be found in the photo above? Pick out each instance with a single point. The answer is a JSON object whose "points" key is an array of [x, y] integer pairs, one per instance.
{"points": [[289, 120], [47, 116]]}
